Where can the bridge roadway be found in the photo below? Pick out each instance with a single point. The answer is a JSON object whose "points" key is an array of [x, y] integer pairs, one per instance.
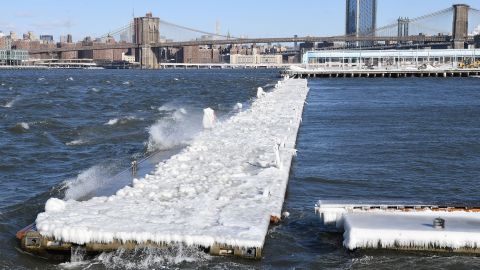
{"points": [[245, 41]]}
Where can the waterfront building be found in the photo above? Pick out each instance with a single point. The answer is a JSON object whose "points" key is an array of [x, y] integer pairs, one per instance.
{"points": [[256, 59], [13, 57], [128, 58], [361, 18], [391, 59]]}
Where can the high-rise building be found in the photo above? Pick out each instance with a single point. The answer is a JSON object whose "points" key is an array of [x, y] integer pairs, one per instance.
{"points": [[361, 17], [46, 38]]}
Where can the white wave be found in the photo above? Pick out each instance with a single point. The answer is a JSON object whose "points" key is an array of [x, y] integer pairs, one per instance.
{"points": [[86, 182], [167, 107], [172, 131], [76, 142], [24, 125], [151, 258], [121, 121], [69, 79], [112, 122], [126, 83], [95, 89], [10, 103], [41, 79]]}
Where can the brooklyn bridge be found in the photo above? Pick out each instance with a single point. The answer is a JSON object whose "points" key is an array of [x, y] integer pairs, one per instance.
{"points": [[150, 40]]}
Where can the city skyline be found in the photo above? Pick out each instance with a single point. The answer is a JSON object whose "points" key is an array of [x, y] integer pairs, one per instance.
{"points": [[54, 17]]}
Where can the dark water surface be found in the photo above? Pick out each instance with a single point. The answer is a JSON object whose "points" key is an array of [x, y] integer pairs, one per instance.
{"points": [[361, 139]]}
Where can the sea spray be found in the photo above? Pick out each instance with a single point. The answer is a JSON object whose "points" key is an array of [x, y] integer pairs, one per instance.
{"points": [[86, 182], [150, 258], [177, 129]]}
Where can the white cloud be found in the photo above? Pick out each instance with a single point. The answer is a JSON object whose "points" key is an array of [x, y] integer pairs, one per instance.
{"points": [[49, 25]]}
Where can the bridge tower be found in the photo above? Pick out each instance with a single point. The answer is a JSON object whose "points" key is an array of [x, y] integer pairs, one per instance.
{"points": [[146, 32], [460, 25], [402, 25]]}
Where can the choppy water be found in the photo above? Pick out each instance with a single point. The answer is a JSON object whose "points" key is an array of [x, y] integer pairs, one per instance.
{"points": [[361, 139]]}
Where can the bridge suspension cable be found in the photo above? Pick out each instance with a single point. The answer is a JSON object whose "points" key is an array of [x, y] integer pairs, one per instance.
{"points": [[163, 22], [118, 31], [392, 27]]}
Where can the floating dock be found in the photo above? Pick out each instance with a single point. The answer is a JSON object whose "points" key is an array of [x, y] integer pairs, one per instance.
{"points": [[405, 227], [218, 194], [379, 73]]}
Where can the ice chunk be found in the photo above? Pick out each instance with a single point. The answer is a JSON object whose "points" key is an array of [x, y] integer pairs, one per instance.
{"points": [[54, 205]]}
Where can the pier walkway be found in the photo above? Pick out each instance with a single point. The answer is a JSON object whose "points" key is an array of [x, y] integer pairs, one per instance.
{"points": [[220, 193]]}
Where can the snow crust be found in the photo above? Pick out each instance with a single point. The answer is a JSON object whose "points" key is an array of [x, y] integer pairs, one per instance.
{"points": [[221, 189], [411, 229]]}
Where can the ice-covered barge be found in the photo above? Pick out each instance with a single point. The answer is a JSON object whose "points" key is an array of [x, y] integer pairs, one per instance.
{"points": [[404, 226], [218, 194]]}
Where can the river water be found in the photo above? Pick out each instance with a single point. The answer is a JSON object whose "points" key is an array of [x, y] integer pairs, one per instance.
{"points": [[64, 133]]}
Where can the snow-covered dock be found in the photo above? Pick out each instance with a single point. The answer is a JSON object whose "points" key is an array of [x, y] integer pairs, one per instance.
{"points": [[219, 193], [405, 227]]}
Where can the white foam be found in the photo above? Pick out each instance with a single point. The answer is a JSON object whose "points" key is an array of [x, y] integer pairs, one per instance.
{"points": [[76, 142], [24, 125], [150, 258], [10, 103], [123, 120], [211, 192]]}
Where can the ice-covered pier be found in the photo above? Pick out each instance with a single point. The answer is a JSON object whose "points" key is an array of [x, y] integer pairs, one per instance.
{"points": [[404, 227], [219, 193]]}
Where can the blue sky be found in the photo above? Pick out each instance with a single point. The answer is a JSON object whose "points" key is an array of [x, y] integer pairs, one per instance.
{"points": [[252, 18]]}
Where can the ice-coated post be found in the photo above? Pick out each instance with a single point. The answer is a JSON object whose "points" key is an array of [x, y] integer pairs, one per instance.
{"points": [[278, 161], [260, 92], [208, 118]]}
